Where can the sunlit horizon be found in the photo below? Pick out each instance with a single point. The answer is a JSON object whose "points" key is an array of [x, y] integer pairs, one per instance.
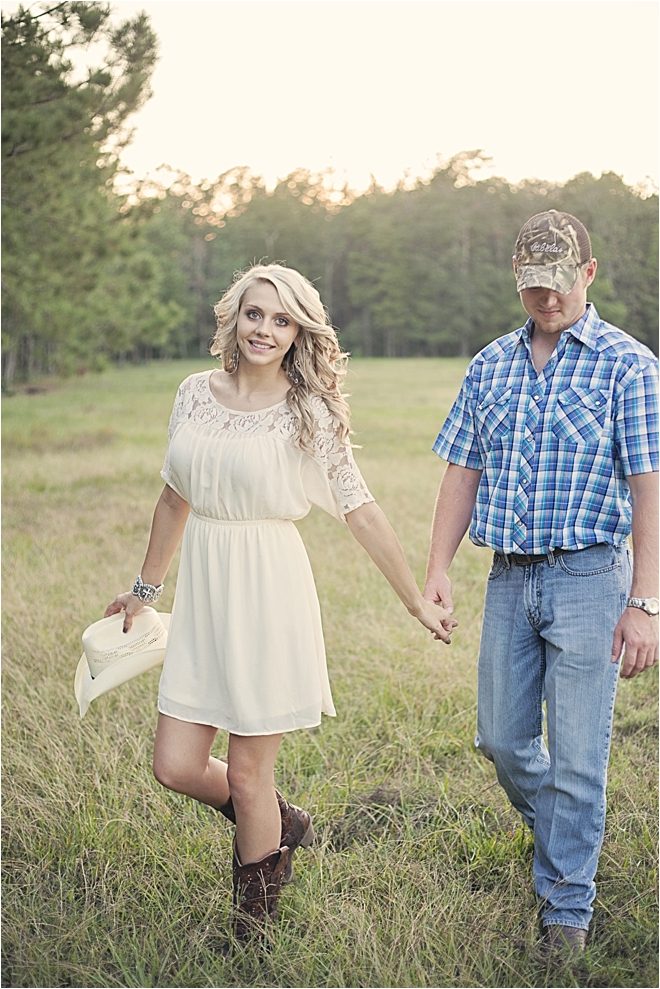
{"points": [[379, 90]]}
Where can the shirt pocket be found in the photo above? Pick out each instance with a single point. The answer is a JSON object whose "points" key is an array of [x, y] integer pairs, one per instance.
{"points": [[579, 416], [492, 417]]}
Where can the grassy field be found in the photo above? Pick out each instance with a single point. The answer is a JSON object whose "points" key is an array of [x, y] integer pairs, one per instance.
{"points": [[421, 873]]}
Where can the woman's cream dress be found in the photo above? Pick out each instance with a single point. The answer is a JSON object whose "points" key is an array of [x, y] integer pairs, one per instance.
{"points": [[245, 648]]}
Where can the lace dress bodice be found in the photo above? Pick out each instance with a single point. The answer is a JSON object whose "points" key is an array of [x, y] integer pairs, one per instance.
{"points": [[246, 466]]}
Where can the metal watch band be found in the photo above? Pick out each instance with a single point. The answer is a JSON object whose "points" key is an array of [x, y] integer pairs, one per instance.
{"points": [[650, 605], [147, 593]]}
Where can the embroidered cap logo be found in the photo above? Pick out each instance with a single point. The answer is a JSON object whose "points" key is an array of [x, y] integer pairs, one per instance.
{"points": [[549, 251]]}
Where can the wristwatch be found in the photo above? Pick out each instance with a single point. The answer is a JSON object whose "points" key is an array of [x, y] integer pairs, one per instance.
{"points": [[650, 605]]}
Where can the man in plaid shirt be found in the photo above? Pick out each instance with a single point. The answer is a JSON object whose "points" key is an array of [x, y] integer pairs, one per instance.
{"points": [[552, 450]]}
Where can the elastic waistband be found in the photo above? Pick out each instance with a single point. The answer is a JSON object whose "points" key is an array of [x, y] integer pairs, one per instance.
{"points": [[239, 522]]}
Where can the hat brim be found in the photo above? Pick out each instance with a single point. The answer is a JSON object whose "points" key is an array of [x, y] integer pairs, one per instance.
{"points": [[88, 688], [558, 278]]}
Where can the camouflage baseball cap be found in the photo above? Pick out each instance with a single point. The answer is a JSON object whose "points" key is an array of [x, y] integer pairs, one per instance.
{"points": [[549, 251]]}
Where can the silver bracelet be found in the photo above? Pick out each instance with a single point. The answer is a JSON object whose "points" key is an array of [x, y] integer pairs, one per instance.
{"points": [[147, 593]]}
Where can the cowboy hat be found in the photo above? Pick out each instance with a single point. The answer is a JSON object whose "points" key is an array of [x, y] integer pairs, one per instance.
{"points": [[111, 657]]}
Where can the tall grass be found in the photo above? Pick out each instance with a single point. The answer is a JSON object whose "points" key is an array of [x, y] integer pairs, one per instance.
{"points": [[421, 872]]}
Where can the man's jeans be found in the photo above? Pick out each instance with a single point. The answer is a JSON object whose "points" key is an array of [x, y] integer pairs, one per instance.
{"points": [[547, 636]]}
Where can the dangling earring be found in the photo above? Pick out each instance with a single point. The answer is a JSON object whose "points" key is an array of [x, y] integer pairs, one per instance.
{"points": [[293, 372], [234, 361]]}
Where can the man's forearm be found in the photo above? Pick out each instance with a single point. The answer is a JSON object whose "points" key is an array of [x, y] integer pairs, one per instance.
{"points": [[453, 511], [644, 493], [636, 631]]}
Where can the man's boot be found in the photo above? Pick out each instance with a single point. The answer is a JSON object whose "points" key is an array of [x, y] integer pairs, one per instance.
{"points": [[561, 943]]}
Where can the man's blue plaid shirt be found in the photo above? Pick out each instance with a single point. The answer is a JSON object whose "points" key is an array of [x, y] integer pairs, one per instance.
{"points": [[555, 448]]}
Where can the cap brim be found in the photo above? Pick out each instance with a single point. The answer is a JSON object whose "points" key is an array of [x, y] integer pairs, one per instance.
{"points": [[88, 688], [558, 278]]}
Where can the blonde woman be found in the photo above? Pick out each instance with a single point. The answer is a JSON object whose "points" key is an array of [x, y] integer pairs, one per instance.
{"points": [[251, 447]]}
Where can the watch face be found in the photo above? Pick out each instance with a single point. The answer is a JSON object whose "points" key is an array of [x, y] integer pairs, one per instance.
{"points": [[652, 606]]}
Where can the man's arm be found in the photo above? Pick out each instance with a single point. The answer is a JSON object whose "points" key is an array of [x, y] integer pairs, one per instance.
{"points": [[635, 629], [453, 511]]}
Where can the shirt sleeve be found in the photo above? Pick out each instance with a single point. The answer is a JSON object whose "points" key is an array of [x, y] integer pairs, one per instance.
{"points": [[178, 414], [636, 423], [336, 461], [457, 441]]}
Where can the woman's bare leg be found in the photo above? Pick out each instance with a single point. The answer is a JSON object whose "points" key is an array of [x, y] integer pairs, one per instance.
{"points": [[250, 775], [183, 761]]}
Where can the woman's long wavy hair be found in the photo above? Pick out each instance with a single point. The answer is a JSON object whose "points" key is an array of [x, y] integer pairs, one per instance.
{"points": [[315, 364]]}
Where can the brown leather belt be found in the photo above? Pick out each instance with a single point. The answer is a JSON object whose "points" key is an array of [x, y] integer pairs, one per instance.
{"points": [[524, 559]]}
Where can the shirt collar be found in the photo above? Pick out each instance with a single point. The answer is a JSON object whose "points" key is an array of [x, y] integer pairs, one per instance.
{"points": [[585, 330]]}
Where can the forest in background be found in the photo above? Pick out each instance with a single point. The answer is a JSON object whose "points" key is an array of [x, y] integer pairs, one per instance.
{"points": [[97, 270]]}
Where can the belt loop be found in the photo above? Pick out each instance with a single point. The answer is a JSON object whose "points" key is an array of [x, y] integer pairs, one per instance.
{"points": [[507, 560], [551, 558]]}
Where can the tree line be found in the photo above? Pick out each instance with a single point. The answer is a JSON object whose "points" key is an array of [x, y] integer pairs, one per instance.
{"points": [[95, 271]]}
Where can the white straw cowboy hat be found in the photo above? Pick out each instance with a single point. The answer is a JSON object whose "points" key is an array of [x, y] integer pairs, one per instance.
{"points": [[112, 657]]}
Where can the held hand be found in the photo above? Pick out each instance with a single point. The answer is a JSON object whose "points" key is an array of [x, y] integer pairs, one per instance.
{"points": [[638, 632], [438, 620], [438, 591], [127, 602]]}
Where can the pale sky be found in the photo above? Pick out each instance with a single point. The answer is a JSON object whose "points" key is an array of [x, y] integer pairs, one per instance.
{"points": [[547, 88]]}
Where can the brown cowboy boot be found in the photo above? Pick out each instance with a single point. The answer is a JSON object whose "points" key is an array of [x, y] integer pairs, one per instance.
{"points": [[297, 829], [257, 889], [560, 942]]}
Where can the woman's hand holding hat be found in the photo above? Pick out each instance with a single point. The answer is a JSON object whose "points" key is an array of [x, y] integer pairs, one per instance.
{"points": [[127, 602], [111, 658]]}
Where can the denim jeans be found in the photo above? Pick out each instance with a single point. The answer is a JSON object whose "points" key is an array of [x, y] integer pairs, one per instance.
{"points": [[547, 636]]}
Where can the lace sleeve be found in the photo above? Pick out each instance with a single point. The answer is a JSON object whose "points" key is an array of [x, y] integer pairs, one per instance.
{"points": [[337, 462], [181, 410]]}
